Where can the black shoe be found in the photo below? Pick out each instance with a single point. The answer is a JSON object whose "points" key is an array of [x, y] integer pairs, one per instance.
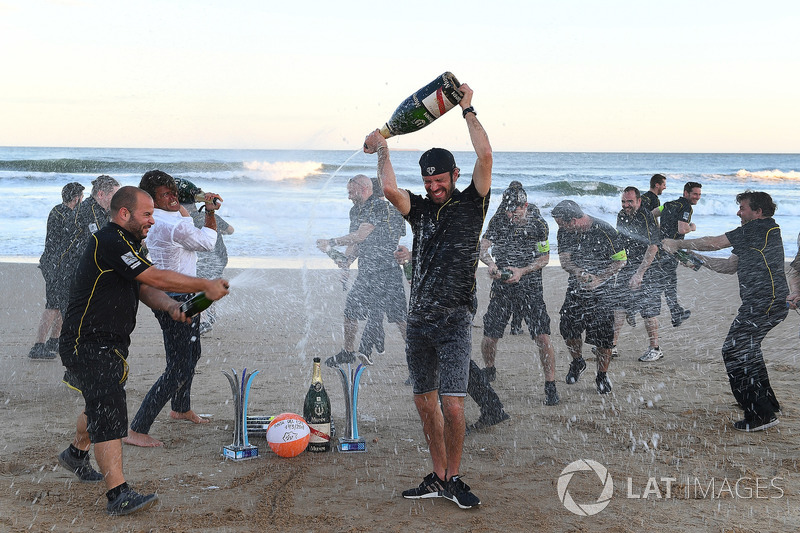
{"points": [[490, 372], [51, 345], [80, 467], [39, 351], [603, 385], [129, 502], [485, 421], [576, 368], [550, 393], [677, 320], [431, 487], [342, 357], [365, 358], [459, 493], [755, 424]]}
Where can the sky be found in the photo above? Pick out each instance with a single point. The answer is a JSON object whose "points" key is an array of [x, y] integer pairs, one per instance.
{"points": [[626, 76]]}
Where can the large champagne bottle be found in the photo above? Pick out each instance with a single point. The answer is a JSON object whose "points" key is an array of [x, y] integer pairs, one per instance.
{"points": [[689, 259], [424, 106], [197, 304], [317, 412]]}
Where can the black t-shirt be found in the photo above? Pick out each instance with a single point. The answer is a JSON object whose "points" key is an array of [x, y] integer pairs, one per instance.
{"points": [[638, 232], [445, 253], [650, 200], [674, 211], [593, 250], [60, 232], [518, 245], [90, 218], [105, 294], [762, 282], [376, 252]]}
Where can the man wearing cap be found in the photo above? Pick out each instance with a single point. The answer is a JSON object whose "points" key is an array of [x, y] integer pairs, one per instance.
{"points": [[446, 224], [517, 236], [650, 199], [56, 270], [592, 252], [173, 242]]}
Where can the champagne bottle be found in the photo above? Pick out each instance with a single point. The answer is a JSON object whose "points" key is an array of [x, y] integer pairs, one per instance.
{"points": [[688, 259], [505, 274], [336, 255], [424, 106], [408, 270], [317, 412], [196, 304]]}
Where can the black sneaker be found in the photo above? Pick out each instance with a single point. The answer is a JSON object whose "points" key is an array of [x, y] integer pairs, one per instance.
{"points": [[490, 372], [80, 467], [39, 351], [51, 345], [677, 320], [129, 502], [340, 358], [576, 368], [550, 393], [485, 421], [365, 358], [431, 487], [603, 385], [459, 492], [755, 424]]}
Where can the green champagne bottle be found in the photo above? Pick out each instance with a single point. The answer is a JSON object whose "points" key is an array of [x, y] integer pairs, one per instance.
{"points": [[336, 255], [505, 274], [424, 106], [688, 259], [408, 270], [198, 303], [317, 412]]}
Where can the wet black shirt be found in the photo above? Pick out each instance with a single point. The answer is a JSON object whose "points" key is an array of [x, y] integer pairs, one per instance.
{"points": [[445, 254], [593, 250], [60, 231], [650, 200], [519, 245], [674, 211], [376, 252], [638, 232]]}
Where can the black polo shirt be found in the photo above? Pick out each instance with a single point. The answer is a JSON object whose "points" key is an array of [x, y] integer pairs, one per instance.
{"points": [[519, 245], [105, 294], [638, 232], [445, 254], [60, 231], [674, 211], [593, 250], [650, 200], [762, 283], [376, 252]]}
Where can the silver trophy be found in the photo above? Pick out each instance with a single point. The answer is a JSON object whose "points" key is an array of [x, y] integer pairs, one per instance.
{"points": [[350, 442], [241, 447]]}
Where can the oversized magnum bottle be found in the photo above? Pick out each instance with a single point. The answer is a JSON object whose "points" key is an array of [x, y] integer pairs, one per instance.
{"points": [[424, 106], [196, 304], [317, 412]]}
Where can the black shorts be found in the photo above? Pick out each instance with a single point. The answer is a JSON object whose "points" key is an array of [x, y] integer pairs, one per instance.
{"points": [[100, 372], [382, 291], [645, 300], [524, 299], [56, 289], [592, 312]]}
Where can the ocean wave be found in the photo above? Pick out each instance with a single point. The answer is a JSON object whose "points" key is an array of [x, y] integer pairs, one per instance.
{"points": [[756, 175], [578, 188], [283, 170], [92, 166]]}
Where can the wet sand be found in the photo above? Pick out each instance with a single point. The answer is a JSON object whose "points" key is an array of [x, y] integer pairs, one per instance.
{"points": [[665, 420]]}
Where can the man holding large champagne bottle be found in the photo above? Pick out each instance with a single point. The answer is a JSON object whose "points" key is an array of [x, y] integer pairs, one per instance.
{"points": [[446, 226]]}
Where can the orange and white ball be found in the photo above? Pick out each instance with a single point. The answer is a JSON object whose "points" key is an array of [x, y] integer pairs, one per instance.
{"points": [[288, 435]]}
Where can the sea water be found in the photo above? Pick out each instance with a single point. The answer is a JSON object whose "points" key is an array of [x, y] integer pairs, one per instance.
{"points": [[280, 201]]}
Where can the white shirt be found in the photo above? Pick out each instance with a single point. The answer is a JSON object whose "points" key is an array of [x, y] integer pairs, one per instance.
{"points": [[174, 239]]}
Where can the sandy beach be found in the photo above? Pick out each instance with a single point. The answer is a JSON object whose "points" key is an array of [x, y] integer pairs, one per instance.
{"points": [[664, 434]]}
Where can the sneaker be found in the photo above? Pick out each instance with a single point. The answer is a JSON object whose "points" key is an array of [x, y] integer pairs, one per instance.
{"points": [[51, 345], [380, 349], [366, 359], [490, 372], [652, 354], [70, 381], [614, 351], [576, 368], [755, 424], [459, 492], [677, 320], [550, 393], [129, 502], [340, 358], [431, 487], [40, 352], [80, 467], [485, 421], [603, 385]]}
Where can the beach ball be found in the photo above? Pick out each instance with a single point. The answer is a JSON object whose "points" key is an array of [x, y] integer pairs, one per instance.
{"points": [[288, 435]]}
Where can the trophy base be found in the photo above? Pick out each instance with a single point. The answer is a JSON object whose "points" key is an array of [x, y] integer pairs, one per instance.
{"points": [[351, 445], [239, 453]]}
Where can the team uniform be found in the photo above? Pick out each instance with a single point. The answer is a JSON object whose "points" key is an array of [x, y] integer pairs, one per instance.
{"points": [[583, 310], [763, 290], [444, 259], [54, 262], [515, 245], [98, 322], [638, 232], [672, 212], [650, 200]]}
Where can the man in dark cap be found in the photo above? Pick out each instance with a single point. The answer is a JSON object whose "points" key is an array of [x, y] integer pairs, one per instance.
{"points": [[56, 270], [592, 252], [446, 226], [517, 236]]}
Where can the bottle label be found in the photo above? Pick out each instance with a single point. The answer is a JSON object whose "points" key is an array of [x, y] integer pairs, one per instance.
{"points": [[320, 435], [437, 104]]}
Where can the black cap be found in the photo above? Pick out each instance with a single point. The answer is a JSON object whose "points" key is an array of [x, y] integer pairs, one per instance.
{"points": [[567, 210], [436, 161], [186, 190], [514, 197]]}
